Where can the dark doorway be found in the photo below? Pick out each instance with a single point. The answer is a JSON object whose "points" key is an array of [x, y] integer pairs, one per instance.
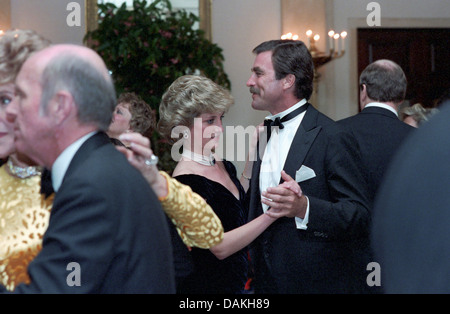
{"points": [[423, 53]]}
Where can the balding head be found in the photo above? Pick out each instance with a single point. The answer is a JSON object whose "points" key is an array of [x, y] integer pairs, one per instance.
{"points": [[82, 72], [387, 64], [384, 81], [42, 58], [63, 93]]}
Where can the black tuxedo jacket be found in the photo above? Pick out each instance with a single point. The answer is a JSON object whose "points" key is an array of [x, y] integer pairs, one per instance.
{"points": [[319, 259], [107, 220], [412, 212], [379, 134]]}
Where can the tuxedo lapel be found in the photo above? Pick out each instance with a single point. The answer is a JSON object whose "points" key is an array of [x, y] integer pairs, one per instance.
{"points": [[255, 199], [303, 139]]}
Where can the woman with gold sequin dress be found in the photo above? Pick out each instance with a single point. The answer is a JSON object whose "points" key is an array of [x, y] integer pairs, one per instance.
{"points": [[24, 212]]}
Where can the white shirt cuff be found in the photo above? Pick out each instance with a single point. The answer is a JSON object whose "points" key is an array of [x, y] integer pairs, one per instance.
{"points": [[302, 223]]}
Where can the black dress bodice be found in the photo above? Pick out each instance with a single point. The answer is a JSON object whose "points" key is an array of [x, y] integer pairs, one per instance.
{"points": [[199, 270]]}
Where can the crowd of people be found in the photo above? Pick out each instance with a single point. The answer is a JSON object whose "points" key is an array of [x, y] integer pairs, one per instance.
{"points": [[80, 183]]}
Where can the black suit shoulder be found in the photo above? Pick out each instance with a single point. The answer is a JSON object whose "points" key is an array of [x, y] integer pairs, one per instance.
{"points": [[379, 134], [105, 218], [330, 127], [373, 119]]}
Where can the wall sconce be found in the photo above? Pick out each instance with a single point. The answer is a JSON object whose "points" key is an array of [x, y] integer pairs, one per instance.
{"points": [[336, 45]]}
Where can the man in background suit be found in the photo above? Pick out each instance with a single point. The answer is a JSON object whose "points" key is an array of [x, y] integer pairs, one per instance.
{"points": [[377, 128], [311, 249], [107, 232], [378, 131], [412, 212]]}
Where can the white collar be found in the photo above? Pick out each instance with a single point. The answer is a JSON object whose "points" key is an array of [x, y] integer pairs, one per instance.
{"points": [[62, 163], [381, 105], [201, 159], [287, 111]]}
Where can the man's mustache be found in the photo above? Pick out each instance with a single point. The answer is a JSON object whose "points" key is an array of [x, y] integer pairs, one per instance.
{"points": [[254, 90]]}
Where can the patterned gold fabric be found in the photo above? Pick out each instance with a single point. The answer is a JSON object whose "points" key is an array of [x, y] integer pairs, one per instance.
{"points": [[24, 216], [195, 221]]}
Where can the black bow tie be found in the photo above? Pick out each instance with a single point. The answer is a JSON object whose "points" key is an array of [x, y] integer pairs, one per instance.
{"points": [[279, 122], [46, 183]]}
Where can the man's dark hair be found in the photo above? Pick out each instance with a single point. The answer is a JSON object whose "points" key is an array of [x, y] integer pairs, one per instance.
{"points": [[291, 57]]}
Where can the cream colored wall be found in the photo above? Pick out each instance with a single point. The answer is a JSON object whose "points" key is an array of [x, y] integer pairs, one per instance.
{"points": [[5, 16], [49, 18]]}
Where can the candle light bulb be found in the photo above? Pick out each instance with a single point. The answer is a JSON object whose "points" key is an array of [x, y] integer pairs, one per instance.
{"points": [[343, 35], [316, 37], [308, 34], [331, 43], [336, 42], [295, 37]]}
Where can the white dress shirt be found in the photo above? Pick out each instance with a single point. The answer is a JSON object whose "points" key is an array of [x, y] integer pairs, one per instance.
{"points": [[61, 163], [276, 152]]}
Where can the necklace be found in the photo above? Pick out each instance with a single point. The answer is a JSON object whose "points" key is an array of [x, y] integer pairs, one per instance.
{"points": [[201, 159], [25, 172]]}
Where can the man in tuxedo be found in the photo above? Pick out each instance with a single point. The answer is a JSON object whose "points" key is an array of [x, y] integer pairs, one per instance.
{"points": [[107, 231], [310, 248], [412, 212], [377, 128], [378, 131]]}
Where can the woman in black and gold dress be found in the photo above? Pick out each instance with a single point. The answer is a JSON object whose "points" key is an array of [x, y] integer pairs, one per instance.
{"points": [[193, 106], [216, 273], [24, 212]]}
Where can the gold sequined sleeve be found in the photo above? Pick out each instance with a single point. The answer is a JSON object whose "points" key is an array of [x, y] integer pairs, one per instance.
{"points": [[194, 219]]}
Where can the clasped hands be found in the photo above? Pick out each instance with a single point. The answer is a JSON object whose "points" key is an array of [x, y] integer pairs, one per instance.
{"points": [[286, 199]]}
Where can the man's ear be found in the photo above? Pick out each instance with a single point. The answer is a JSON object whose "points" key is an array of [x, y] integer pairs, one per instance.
{"points": [[61, 106], [288, 81], [362, 96]]}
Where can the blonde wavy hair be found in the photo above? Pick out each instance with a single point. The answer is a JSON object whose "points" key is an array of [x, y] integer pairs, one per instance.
{"points": [[16, 46], [188, 97], [418, 113]]}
